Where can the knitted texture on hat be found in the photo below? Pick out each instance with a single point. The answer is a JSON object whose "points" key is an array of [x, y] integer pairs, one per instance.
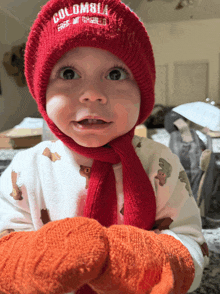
{"points": [[105, 24]]}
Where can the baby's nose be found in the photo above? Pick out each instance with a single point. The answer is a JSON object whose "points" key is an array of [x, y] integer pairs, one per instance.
{"points": [[92, 95]]}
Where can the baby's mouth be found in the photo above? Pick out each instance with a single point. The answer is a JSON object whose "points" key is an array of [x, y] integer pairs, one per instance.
{"points": [[90, 122], [92, 125]]}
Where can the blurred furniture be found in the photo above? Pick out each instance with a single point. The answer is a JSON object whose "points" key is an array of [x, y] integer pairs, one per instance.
{"points": [[209, 190], [13, 62], [141, 131]]}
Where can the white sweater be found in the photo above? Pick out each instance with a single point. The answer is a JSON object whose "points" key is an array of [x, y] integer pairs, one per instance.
{"points": [[49, 182]]}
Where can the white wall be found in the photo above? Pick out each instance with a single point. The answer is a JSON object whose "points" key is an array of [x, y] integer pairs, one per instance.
{"points": [[16, 102], [188, 41]]}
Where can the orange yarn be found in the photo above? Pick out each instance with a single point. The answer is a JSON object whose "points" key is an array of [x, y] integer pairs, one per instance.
{"points": [[76, 253], [142, 262], [59, 258]]}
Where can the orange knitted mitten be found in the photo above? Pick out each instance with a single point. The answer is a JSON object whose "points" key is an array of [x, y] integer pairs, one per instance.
{"points": [[58, 258], [143, 262]]}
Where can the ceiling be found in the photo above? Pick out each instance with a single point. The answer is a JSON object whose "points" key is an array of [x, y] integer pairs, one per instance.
{"points": [[152, 11]]}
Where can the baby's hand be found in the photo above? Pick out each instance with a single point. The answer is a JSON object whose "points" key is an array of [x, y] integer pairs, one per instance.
{"points": [[135, 262], [59, 258], [76, 251], [143, 262]]}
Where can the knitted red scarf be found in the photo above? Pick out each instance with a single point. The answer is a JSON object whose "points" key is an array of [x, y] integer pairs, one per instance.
{"points": [[139, 199]]}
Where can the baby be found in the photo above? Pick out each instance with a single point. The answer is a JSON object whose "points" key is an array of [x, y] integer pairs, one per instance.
{"points": [[99, 210]]}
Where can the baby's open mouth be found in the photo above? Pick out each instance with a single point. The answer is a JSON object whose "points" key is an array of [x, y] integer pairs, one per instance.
{"points": [[91, 122]]}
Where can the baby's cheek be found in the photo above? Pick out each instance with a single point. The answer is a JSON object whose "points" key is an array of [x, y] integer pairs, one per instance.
{"points": [[121, 109], [50, 108]]}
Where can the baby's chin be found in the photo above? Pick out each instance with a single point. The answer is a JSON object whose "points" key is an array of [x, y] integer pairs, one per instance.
{"points": [[93, 144]]}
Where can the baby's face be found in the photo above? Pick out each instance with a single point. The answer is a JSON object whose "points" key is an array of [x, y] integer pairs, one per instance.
{"points": [[88, 82]]}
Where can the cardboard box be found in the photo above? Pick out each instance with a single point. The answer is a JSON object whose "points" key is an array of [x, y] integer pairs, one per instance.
{"points": [[141, 131], [20, 138], [4, 141]]}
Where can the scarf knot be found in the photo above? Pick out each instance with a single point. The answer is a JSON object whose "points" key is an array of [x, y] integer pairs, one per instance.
{"points": [[139, 197]]}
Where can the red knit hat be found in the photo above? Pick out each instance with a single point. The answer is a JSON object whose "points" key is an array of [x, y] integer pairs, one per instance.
{"points": [[106, 24], [110, 25]]}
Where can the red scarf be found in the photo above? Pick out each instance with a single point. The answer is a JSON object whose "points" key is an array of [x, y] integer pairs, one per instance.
{"points": [[139, 198]]}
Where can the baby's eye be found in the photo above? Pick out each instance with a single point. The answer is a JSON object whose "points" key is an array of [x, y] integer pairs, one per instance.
{"points": [[118, 74], [68, 73]]}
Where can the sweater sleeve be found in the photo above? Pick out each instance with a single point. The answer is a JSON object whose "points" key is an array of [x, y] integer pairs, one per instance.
{"points": [[14, 214], [40, 261], [177, 212]]}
